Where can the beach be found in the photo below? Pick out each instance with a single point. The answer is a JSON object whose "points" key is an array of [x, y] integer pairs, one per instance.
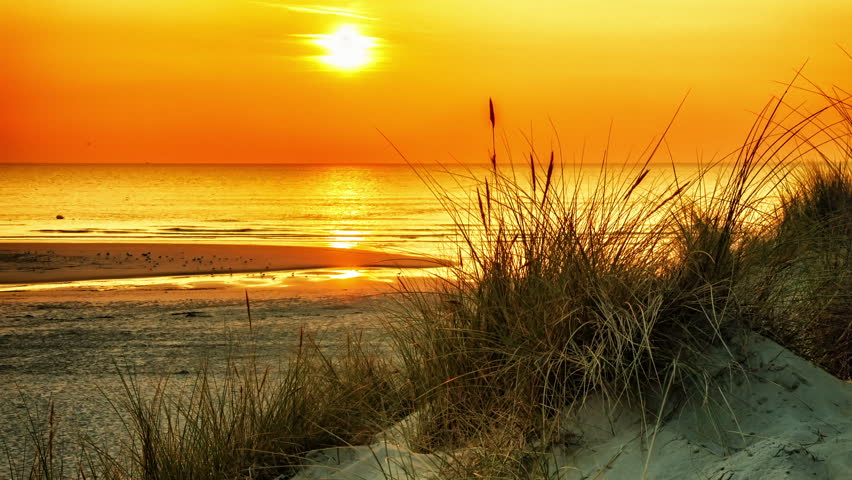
{"points": [[73, 318]]}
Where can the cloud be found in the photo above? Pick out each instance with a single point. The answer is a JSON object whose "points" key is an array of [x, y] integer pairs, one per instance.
{"points": [[319, 10]]}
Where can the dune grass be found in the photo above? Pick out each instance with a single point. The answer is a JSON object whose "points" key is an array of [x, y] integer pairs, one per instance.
{"points": [[248, 423], [561, 293], [564, 289], [44, 463], [805, 268], [241, 420]]}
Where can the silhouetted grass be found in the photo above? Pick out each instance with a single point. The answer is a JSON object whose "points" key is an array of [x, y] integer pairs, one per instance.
{"points": [[806, 269], [247, 423], [243, 421]]}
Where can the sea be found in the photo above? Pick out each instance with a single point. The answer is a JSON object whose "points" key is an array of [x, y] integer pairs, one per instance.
{"points": [[377, 207], [394, 208]]}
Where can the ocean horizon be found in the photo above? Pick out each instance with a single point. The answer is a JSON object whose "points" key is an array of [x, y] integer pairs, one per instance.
{"points": [[372, 207], [386, 207]]}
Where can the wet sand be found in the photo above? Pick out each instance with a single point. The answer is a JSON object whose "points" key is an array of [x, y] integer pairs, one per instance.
{"points": [[24, 263]]}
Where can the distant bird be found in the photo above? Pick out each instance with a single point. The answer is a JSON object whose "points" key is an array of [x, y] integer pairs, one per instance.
{"points": [[60, 217]]}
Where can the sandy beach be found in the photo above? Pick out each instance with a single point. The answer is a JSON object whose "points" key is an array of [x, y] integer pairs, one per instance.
{"points": [[66, 342], [24, 263]]}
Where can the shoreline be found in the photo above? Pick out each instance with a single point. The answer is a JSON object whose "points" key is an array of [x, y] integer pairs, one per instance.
{"points": [[23, 263]]}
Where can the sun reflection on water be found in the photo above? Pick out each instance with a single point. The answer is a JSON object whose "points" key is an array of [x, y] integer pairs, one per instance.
{"points": [[344, 274], [345, 192], [272, 279], [346, 238]]}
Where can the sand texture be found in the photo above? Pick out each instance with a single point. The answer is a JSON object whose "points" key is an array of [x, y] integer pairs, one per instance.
{"points": [[771, 415], [67, 344], [22, 263]]}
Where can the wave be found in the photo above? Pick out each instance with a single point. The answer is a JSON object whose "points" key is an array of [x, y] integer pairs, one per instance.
{"points": [[207, 230]]}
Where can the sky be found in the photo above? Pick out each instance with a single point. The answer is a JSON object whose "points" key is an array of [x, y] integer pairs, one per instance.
{"points": [[275, 81]]}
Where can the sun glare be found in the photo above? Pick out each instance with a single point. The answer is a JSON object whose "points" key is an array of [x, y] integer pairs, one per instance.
{"points": [[346, 48], [344, 274], [346, 239]]}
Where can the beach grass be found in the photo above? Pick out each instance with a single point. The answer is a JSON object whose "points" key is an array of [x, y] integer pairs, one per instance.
{"points": [[563, 291], [617, 292], [246, 421], [804, 269], [242, 419]]}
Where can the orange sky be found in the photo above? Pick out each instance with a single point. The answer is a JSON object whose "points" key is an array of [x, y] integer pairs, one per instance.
{"points": [[234, 81]]}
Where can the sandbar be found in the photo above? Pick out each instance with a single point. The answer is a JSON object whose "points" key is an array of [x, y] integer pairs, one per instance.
{"points": [[28, 263]]}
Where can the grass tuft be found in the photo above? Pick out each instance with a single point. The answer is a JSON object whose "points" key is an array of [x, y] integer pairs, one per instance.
{"points": [[806, 268], [250, 422]]}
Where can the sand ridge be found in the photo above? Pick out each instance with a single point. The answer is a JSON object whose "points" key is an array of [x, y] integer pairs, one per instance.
{"points": [[779, 417]]}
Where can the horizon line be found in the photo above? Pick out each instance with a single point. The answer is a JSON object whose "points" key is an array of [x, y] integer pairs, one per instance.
{"points": [[337, 164]]}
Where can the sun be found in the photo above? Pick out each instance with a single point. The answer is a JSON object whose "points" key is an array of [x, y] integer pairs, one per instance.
{"points": [[346, 48]]}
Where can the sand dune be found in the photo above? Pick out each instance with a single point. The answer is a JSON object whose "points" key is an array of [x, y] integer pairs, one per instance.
{"points": [[772, 416]]}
